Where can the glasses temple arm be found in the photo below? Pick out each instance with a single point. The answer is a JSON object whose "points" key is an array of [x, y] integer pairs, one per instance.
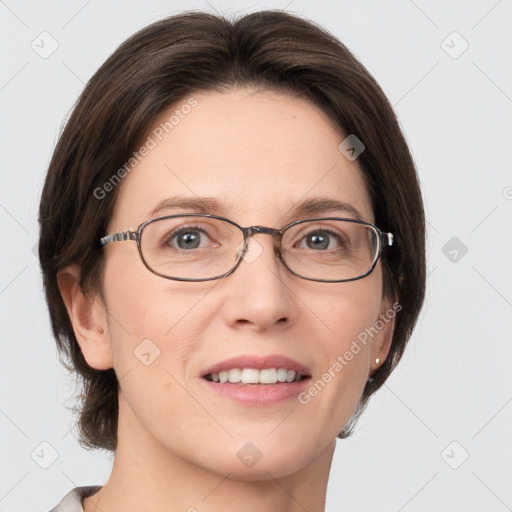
{"points": [[388, 237], [119, 237]]}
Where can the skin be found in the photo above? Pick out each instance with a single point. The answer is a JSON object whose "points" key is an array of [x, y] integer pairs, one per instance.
{"points": [[260, 153]]}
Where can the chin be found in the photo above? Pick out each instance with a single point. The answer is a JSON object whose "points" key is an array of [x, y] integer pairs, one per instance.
{"points": [[263, 459]]}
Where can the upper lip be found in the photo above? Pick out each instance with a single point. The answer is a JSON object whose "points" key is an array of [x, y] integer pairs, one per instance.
{"points": [[258, 362]]}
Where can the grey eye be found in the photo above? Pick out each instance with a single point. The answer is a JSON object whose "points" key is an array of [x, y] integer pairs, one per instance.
{"points": [[318, 240], [187, 238]]}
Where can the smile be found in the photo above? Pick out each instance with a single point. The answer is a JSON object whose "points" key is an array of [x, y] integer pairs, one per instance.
{"points": [[255, 376]]}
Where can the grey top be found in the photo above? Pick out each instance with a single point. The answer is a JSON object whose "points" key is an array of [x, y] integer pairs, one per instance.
{"points": [[72, 502]]}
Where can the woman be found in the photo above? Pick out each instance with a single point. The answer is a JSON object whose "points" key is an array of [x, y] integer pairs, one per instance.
{"points": [[232, 245]]}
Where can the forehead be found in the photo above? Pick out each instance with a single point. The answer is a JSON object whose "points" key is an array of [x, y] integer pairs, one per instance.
{"points": [[258, 154]]}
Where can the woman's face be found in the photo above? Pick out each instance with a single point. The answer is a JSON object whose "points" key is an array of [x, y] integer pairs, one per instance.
{"points": [[258, 155]]}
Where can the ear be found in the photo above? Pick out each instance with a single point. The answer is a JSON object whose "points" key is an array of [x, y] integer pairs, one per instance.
{"points": [[385, 323], [88, 317]]}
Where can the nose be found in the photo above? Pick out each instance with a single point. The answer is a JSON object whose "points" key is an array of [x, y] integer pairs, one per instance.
{"points": [[259, 293]]}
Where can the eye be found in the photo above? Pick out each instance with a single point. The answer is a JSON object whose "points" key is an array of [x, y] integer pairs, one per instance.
{"points": [[187, 238], [323, 239]]}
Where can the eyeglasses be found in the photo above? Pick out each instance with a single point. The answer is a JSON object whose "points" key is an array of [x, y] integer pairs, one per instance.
{"points": [[204, 247]]}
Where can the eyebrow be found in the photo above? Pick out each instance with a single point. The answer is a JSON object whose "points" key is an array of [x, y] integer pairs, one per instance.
{"points": [[192, 204], [321, 205], [215, 207]]}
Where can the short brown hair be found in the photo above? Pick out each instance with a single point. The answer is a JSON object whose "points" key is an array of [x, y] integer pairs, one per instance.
{"points": [[161, 65]]}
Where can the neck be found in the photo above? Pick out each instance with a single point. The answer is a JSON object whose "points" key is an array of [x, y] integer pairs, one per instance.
{"points": [[148, 476]]}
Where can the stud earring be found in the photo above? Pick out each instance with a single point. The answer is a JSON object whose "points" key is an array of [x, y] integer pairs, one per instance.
{"points": [[377, 361]]}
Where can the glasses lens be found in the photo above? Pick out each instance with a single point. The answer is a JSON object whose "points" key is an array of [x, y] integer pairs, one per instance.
{"points": [[190, 247], [332, 250]]}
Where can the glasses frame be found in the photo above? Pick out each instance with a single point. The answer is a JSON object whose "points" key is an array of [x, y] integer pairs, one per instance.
{"points": [[277, 234]]}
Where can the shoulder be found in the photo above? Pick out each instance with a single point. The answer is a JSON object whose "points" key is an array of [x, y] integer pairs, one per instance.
{"points": [[72, 502]]}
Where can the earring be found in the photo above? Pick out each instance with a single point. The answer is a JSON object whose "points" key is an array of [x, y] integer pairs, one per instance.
{"points": [[370, 379]]}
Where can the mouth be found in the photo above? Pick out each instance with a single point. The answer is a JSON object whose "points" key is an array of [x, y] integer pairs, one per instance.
{"points": [[257, 380], [248, 376]]}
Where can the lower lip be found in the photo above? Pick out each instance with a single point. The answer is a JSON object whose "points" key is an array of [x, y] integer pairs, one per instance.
{"points": [[258, 394]]}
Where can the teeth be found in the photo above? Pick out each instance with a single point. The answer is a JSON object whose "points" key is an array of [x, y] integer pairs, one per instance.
{"points": [[282, 374], [268, 376], [253, 376], [234, 375], [249, 376]]}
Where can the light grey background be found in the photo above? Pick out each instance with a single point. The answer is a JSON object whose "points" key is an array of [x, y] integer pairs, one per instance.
{"points": [[454, 383]]}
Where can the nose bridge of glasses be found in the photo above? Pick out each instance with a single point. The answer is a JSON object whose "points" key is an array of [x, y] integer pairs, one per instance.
{"points": [[256, 230], [261, 229]]}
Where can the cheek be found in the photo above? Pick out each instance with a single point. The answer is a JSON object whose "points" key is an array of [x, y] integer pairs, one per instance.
{"points": [[347, 310], [141, 303], [348, 313], [153, 326], [148, 316]]}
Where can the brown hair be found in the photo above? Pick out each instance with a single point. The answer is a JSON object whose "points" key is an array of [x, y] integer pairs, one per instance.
{"points": [[161, 65]]}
